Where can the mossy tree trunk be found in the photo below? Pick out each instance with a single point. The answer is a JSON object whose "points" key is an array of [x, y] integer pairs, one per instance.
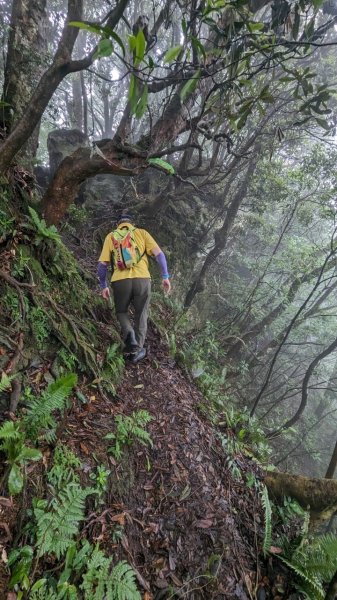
{"points": [[317, 495], [62, 65], [24, 65]]}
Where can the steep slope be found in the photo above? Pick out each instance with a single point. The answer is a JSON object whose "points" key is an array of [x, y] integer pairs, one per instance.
{"points": [[189, 528], [180, 510]]}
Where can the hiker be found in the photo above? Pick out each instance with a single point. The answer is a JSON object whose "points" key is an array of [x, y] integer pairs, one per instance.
{"points": [[127, 249]]}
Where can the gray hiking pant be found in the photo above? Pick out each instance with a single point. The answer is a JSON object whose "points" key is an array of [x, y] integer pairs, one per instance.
{"points": [[136, 292]]}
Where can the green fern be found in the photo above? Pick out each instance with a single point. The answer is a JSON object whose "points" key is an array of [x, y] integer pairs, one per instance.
{"points": [[41, 591], [94, 580], [129, 429], [40, 413], [99, 584], [5, 381], [63, 471], [42, 229], [121, 584], [9, 431], [314, 562], [57, 522], [12, 442], [267, 520]]}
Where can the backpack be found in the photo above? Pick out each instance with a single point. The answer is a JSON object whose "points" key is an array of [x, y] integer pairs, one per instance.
{"points": [[126, 253]]}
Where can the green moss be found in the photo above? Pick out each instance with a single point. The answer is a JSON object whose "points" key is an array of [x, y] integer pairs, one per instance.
{"points": [[40, 325]]}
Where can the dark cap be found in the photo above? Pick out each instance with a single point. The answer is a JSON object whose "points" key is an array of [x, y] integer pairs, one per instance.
{"points": [[125, 218]]}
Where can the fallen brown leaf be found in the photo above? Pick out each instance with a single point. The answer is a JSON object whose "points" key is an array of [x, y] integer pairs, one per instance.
{"points": [[84, 448]]}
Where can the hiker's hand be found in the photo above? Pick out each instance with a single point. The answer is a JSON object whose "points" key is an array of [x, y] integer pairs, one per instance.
{"points": [[106, 293], [166, 286]]}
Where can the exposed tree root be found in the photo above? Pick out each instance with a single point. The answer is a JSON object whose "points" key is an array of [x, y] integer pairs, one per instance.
{"points": [[15, 395], [81, 343], [17, 285], [16, 383]]}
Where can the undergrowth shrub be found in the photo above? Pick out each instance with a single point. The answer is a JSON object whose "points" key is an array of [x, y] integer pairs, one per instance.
{"points": [[84, 571], [39, 324], [313, 559], [314, 563], [13, 443], [129, 429], [40, 420]]}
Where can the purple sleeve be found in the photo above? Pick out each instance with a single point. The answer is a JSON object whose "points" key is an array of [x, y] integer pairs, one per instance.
{"points": [[161, 260], [102, 270]]}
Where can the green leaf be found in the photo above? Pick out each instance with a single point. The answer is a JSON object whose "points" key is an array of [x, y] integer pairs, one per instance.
{"points": [[71, 553], [132, 42], [118, 40], [9, 430], [5, 381], [323, 123], [198, 46], [172, 53], [142, 103], [15, 480], [287, 79], [140, 46], [40, 224], [317, 3], [255, 26], [190, 86], [133, 93], [159, 162], [104, 48], [242, 121], [296, 25], [88, 27], [40, 583], [28, 454]]}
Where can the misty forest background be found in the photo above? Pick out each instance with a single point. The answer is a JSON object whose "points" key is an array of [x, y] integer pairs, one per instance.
{"points": [[214, 122]]}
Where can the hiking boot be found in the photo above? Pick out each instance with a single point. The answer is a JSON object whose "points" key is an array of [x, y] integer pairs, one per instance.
{"points": [[138, 356], [131, 345]]}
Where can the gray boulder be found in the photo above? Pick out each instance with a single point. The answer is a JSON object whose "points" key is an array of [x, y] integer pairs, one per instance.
{"points": [[61, 143]]}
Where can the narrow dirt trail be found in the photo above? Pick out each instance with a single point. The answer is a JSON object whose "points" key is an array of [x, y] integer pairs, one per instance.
{"points": [[184, 523]]}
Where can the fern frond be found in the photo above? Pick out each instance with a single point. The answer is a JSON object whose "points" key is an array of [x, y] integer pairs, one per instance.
{"points": [[63, 471], [9, 430], [142, 417], [97, 571], [5, 381], [40, 413], [58, 521], [121, 584], [129, 429], [310, 584], [42, 228], [267, 520], [142, 436]]}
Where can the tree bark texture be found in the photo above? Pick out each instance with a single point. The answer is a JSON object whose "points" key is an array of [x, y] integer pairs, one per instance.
{"points": [[45, 89], [62, 65], [76, 112], [81, 165], [320, 495], [24, 64], [332, 465]]}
